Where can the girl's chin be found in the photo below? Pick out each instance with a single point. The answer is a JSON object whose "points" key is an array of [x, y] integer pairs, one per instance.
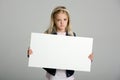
{"points": [[62, 27]]}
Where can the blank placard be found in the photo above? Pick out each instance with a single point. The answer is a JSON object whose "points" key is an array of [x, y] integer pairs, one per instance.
{"points": [[60, 52]]}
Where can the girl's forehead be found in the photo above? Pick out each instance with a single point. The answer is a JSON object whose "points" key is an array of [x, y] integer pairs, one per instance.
{"points": [[61, 15]]}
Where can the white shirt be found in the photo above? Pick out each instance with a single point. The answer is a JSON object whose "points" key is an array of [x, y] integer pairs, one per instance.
{"points": [[60, 74]]}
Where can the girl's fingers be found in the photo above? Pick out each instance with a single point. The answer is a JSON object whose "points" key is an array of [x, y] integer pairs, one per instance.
{"points": [[91, 56], [29, 51]]}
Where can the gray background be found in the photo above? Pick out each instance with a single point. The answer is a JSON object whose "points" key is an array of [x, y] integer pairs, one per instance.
{"points": [[99, 19]]}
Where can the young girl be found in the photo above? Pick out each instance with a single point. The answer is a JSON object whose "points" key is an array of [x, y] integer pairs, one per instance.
{"points": [[60, 25]]}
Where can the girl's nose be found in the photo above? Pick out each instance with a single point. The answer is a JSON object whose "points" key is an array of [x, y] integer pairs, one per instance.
{"points": [[61, 22]]}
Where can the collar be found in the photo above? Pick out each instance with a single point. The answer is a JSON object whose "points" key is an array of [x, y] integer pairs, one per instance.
{"points": [[56, 33]]}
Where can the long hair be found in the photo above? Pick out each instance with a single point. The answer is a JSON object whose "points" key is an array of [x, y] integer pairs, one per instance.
{"points": [[52, 27]]}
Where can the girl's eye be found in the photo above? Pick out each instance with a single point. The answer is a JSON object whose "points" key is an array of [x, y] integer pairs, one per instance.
{"points": [[58, 20], [65, 19]]}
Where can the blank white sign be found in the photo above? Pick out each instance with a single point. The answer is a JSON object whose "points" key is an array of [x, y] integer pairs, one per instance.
{"points": [[60, 52]]}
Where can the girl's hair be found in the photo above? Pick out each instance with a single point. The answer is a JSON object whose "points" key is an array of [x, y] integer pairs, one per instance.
{"points": [[52, 27]]}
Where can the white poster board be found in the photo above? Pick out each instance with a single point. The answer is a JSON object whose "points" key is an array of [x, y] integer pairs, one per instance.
{"points": [[60, 52]]}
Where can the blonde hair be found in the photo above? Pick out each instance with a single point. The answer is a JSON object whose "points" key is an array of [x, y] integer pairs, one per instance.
{"points": [[52, 28]]}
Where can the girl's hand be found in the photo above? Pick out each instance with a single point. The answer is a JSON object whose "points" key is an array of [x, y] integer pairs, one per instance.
{"points": [[91, 57], [29, 52]]}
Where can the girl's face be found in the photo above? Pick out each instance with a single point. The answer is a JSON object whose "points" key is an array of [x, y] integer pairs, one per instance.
{"points": [[61, 21]]}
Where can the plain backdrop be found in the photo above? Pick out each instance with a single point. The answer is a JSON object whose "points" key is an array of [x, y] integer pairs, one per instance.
{"points": [[99, 19]]}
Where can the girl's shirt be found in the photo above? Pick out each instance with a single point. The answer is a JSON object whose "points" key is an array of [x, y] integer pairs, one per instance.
{"points": [[60, 74]]}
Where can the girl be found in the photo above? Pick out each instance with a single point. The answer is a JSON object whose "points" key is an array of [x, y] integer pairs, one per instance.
{"points": [[60, 25]]}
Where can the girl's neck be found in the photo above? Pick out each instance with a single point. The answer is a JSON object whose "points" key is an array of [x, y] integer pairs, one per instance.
{"points": [[61, 31]]}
